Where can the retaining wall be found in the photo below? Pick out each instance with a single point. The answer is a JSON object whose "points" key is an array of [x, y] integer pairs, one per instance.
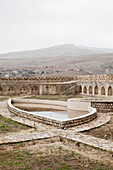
{"points": [[61, 124], [103, 107]]}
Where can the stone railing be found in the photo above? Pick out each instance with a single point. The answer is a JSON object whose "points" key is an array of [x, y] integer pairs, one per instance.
{"points": [[51, 121]]}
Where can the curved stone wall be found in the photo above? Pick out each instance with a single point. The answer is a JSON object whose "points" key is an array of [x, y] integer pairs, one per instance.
{"points": [[102, 105], [61, 124]]}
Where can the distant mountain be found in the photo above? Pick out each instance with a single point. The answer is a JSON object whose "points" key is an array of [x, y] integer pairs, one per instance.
{"points": [[55, 51], [96, 50], [61, 57]]}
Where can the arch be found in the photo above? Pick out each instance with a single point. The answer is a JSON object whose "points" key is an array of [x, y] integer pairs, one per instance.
{"points": [[102, 90], [109, 91], [23, 90], [90, 89], [34, 90], [1, 89], [85, 89], [11, 90], [80, 89], [96, 90]]}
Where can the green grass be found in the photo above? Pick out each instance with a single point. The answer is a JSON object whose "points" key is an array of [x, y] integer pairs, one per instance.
{"points": [[8, 125]]}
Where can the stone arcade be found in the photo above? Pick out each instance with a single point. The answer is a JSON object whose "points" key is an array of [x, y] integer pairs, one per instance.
{"points": [[91, 85], [95, 85]]}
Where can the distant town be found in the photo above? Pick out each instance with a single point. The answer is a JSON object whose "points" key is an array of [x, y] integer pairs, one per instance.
{"points": [[47, 70]]}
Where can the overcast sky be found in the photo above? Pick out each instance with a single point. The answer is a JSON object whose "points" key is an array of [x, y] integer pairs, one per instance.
{"points": [[34, 24]]}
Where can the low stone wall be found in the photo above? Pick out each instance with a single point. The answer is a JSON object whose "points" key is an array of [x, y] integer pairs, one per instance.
{"points": [[103, 107], [61, 124]]}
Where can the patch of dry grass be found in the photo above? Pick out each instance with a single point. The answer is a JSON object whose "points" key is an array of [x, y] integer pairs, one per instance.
{"points": [[8, 125]]}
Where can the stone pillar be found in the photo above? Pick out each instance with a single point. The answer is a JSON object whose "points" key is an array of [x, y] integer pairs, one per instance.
{"points": [[82, 89], [40, 89], [99, 91], [17, 90], [106, 91], [93, 91], [87, 90], [29, 91]]}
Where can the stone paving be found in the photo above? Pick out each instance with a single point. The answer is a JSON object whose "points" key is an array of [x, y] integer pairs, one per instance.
{"points": [[92, 141], [45, 131]]}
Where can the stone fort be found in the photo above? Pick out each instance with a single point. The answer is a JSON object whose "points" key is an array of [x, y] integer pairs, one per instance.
{"points": [[92, 85]]}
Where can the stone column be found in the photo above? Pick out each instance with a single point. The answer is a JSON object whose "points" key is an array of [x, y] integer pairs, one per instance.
{"points": [[82, 89], [99, 91], [106, 91], [40, 89], [93, 90], [87, 90]]}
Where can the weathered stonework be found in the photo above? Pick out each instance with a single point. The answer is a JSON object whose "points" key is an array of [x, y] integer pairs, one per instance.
{"points": [[35, 86], [50, 121], [95, 85], [103, 107], [91, 85]]}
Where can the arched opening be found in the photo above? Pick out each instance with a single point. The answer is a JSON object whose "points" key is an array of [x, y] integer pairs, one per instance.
{"points": [[90, 89], [23, 90], [34, 90], [11, 90], [96, 90], [80, 89], [85, 89], [102, 90], [1, 90], [109, 91]]}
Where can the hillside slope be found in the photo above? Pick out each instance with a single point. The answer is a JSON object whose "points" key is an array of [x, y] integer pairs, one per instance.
{"points": [[60, 57]]}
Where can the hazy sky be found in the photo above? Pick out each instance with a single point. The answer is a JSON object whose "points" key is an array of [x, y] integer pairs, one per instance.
{"points": [[33, 24]]}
